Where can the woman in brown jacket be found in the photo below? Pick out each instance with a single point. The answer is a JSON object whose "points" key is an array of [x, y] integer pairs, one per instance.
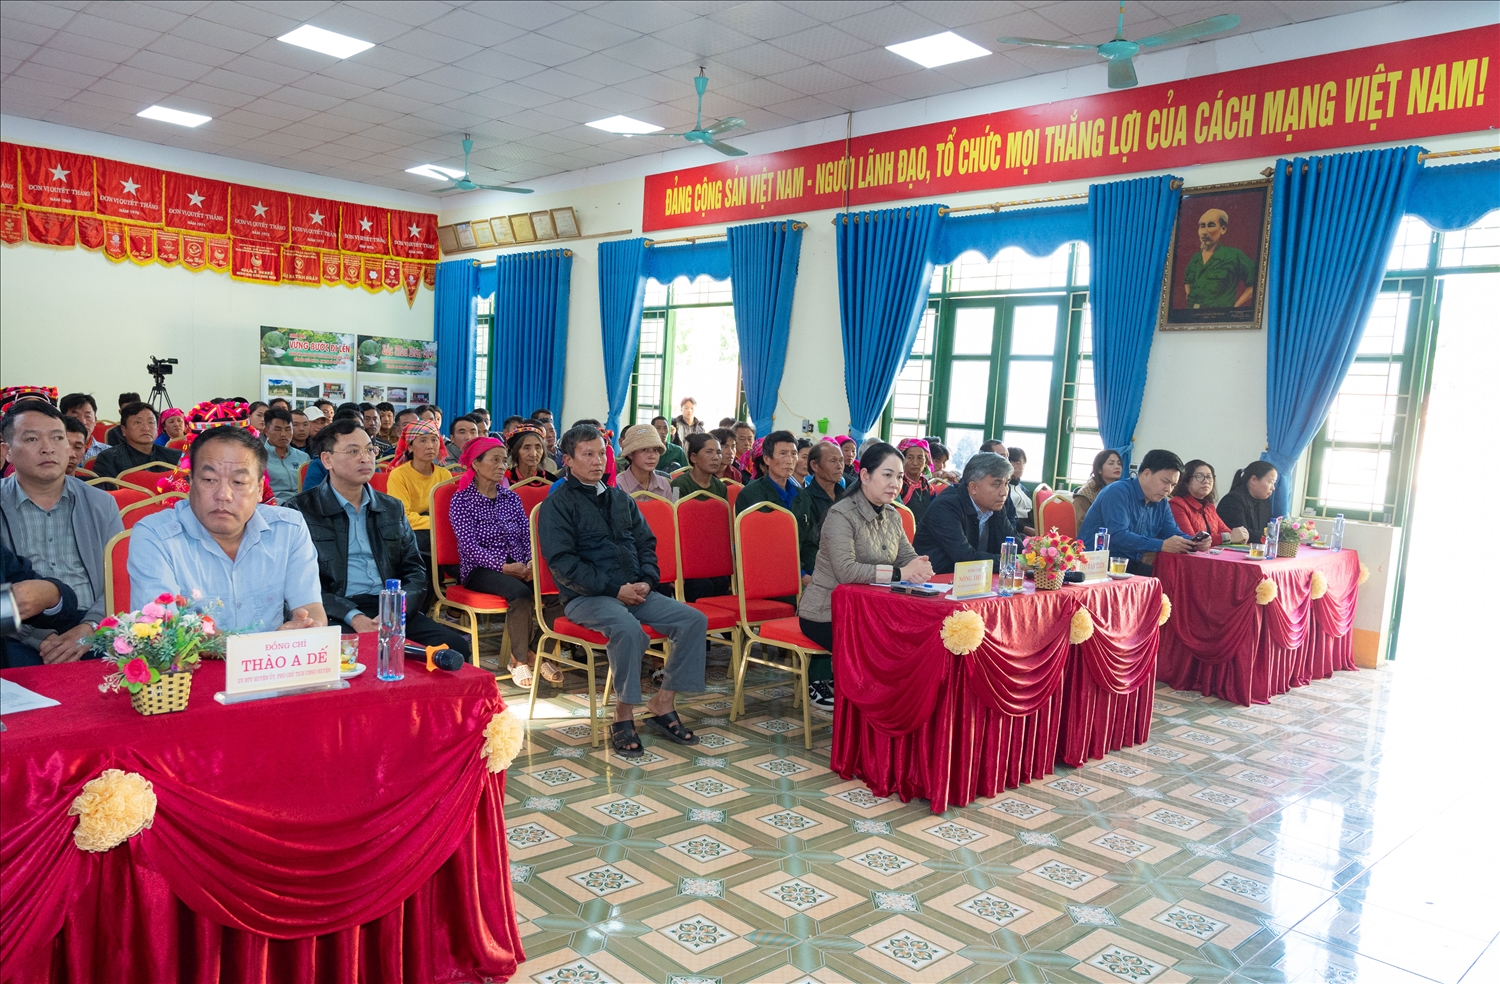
{"points": [[862, 542]]}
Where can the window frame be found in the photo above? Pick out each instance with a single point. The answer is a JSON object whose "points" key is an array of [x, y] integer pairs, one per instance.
{"points": [[667, 311], [484, 351]]}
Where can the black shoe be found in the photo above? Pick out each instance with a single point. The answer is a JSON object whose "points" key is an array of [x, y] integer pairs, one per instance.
{"points": [[820, 696]]}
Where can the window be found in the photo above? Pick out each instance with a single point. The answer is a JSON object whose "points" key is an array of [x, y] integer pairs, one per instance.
{"points": [[688, 347], [1363, 459], [484, 322], [995, 356]]}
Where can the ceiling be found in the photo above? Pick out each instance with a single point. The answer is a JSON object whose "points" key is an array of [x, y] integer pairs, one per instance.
{"points": [[522, 77]]}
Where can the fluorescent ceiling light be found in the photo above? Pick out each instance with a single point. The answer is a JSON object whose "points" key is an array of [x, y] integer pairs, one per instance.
{"points": [[625, 125], [939, 49], [173, 116], [329, 43], [435, 171]]}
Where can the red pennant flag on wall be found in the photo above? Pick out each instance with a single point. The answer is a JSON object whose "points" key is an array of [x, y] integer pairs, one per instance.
{"points": [[218, 254], [196, 204], [168, 247], [363, 229], [351, 270], [256, 261], [194, 252], [411, 280], [51, 228], [141, 242], [392, 275], [429, 276], [333, 272], [56, 179], [128, 191], [90, 231], [10, 193], [315, 222], [258, 214], [114, 241], [414, 235], [372, 276], [12, 225], [300, 266]]}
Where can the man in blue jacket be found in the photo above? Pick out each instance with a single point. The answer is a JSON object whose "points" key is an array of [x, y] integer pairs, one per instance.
{"points": [[967, 521], [1136, 513], [603, 557]]}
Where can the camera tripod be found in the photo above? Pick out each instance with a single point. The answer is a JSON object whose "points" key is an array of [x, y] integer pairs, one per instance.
{"points": [[159, 399]]}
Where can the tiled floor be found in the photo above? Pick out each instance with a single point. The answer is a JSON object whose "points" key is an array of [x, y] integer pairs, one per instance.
{"points": [[1289, 842]]}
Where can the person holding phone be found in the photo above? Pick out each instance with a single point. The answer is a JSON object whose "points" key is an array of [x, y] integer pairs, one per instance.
{"points": [[1136, 513]]}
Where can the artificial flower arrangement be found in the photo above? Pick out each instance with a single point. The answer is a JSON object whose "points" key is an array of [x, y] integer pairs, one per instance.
{"points": [[1051, 555], [1294, 534], [154, 651]]}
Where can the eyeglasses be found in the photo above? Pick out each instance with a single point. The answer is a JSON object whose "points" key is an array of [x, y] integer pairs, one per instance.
{"points": [[1203, 477], [355, 454]]}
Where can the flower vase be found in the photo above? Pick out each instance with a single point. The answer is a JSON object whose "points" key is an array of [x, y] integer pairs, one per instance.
{"points": [[168, 694], [1049, 580], [1287, 548]]}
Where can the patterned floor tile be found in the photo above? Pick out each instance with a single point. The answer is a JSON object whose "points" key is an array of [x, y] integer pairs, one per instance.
{"points": [[1119, 847], [779, 821], [703, 849], [633, 811], [699, 934], [1191, 924], [771, 766], [855, 797], [946, 835], [998, 907], [553, 776], [567, 966], [709, 787], [1063, 875], [616, 881], [1109, 957], [533, 834], [881, 863], [787, 895], [910, 950]]}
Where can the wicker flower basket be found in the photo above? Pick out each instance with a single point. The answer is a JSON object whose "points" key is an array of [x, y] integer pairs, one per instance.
{"points": [[1049, 580], [1287, 548], [166, 695]]}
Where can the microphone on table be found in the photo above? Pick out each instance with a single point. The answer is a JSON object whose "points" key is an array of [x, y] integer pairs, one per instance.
{"points": [[436, 657]]}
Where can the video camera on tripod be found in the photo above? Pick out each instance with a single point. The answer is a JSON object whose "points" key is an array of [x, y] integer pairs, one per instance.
{"points": [[160, 369]]}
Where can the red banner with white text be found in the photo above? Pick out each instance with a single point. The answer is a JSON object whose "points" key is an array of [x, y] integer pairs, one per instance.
{"points": [[258, 214], [128, 191], [1393, 92]]}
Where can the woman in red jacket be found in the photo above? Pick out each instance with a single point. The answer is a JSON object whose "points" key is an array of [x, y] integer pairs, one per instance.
{"points": [[1193, 505]]}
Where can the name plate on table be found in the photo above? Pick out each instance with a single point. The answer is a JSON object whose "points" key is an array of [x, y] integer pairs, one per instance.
{"points": [[973, 579], [1095, 565], [275, 664]]}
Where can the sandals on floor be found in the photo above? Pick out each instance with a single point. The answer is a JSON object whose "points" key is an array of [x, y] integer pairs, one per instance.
{"points": [[622, 735], [670, 726], [520, 674], [552, 673]]}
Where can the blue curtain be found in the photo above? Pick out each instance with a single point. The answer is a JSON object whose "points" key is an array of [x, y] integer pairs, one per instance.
{"points": [[1333, 220], [1455, 196], [1130, 227], [622, 293], [763, 265], [456, 288], [885, 272], [666, 263], [1039, 231], [531, 331]]}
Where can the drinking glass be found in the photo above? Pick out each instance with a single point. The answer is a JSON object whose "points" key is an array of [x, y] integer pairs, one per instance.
{"points": [[1117, 565]]}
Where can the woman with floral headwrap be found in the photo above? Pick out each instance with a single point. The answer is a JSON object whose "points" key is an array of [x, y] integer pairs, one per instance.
{"points": [[414, 476], [527, 449], [494, 548], [916, 490]]}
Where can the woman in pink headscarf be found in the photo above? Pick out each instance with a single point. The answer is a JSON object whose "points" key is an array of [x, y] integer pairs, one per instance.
{"points": [[494, 548], [416, 472], [172, 424], [916, 490]]}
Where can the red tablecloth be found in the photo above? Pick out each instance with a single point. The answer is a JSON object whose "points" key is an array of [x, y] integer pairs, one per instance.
{"points": [[913, 719], [347, 836], [1221, 642]]}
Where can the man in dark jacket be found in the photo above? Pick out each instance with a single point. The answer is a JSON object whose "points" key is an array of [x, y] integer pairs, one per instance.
{"points": [[967, 522], [41, 602], [602, 555], [362, 538], [825, 486]]}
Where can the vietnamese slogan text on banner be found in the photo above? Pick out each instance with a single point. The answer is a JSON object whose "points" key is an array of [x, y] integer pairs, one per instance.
{"points": [[1401, 91], [399, 371], [304, 366]]}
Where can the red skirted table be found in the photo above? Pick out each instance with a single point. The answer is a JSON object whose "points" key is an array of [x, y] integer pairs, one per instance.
{"points": [[353, 835], [912, 718], [1232, 637]]}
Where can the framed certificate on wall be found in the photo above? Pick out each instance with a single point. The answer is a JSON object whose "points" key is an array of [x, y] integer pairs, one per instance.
{"points": [[520, 227], [447, 239], [483, 235], [465, 232], [500, 225], [542, 223], [565, 221]]}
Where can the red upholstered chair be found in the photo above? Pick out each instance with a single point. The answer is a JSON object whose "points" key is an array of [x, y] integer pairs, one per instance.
{"points": [[1041, 496], [1057, 511], [178, 444], [109, 484], [146, 475], [532, 491], [767, 565], [137, 511], [117, 574], [83, 474], [908, 520], [380, 480], [564, 630], [705, 528], [126, 496], [733, 488], [661, 515], [302, 474], [101, 429], [453, 596]]}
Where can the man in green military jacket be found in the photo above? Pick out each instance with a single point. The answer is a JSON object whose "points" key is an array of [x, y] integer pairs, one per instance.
{"points": [[1218, 276]]}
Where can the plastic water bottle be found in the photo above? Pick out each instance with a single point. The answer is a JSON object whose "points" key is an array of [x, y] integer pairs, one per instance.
{"points": [[392, 660], [1101, 539], [1273, 538], [1007, 564], [1336, 538]]}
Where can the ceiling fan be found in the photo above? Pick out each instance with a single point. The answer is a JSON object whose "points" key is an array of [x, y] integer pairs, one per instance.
{"points": [[705, 134], [1119, 51], [466, 184]]}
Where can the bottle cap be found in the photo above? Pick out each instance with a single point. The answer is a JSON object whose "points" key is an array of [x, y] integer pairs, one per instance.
{"points": [[393, 584]]}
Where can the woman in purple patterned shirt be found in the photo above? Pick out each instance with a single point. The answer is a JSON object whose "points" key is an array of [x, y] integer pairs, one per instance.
{"points": [[494, 548]]}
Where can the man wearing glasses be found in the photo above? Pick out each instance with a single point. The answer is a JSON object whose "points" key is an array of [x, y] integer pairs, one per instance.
{"points": [[221, 545], [362, 538]]}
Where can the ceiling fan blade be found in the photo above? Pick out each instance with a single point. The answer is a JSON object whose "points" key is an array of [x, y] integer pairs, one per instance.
{"points": [[1121, 73], [726, 124], [724, 148], [514, 191], [1046, 44], [1197, 29]]}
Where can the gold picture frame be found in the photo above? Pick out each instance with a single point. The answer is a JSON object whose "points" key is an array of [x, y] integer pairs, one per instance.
{"points": [[565, 221], [542, 223], [521, 228], [500, 226], [483, 235], [447, 239], [1236, 219], [465, 232]]}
